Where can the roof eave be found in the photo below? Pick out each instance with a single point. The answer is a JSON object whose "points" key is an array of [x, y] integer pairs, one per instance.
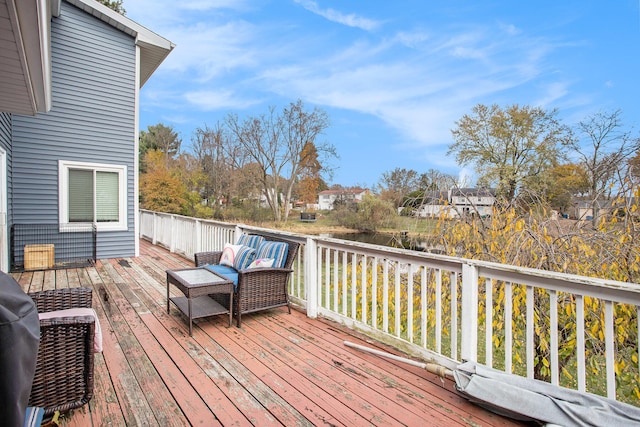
{"points": [[30, 25]]}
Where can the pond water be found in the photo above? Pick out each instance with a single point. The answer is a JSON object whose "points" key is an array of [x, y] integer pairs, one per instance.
{"points": [[382, 239]]}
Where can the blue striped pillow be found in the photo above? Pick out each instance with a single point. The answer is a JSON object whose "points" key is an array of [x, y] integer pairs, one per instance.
{"points": [[275, 250], [253, 241], [244, 258]]}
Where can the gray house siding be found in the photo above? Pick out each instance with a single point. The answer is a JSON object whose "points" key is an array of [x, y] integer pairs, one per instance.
{"points": [[92, 120]]}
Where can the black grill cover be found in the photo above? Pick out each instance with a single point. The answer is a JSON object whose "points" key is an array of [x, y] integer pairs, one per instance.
{"points": [[19, 340]]}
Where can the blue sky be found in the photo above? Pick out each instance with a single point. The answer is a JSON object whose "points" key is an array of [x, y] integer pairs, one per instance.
{"points": [[394, 76]]}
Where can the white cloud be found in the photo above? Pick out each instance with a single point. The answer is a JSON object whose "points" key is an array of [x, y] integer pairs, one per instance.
{"points": [[510, 29], [351, 20], [207, 51], [467, 53], [399, 95], [411, 39], [419, 94], [552, 93], [209, 100]]}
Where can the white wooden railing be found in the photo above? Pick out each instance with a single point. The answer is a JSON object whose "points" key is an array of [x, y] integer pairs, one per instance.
{"points": [[437, 307]]}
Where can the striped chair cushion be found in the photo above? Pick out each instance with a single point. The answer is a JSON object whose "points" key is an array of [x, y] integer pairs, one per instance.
{"points": [[275, 250], [244, 257], [252, 241], [229, 273]]}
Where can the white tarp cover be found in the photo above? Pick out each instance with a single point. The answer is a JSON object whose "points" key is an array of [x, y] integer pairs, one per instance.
{"points": [[534, 400]]}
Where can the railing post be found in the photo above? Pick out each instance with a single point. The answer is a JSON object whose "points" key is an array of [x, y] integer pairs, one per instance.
{"points": [[198, 236], [311, 277], [154, 227], [172, 243], [469, 315]]}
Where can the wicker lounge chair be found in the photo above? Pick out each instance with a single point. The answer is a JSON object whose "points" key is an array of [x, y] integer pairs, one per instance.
{"points": [[64, 369], [258, 288]]}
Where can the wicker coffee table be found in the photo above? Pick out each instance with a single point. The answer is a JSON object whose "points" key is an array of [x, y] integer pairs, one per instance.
{"points": [[197, 284]]}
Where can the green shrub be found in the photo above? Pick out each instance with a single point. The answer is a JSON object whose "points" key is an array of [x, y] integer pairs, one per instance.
{"points": [[370, 214]]}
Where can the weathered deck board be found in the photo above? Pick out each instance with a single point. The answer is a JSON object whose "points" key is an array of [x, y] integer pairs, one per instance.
{"points": [[129, 328], [356, 384], [134, 407], [174, 377], [227, 364], [217, 388], [278, 369]]}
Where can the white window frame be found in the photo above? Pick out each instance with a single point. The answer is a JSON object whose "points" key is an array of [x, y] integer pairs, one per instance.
{"points": [[63, 192]]}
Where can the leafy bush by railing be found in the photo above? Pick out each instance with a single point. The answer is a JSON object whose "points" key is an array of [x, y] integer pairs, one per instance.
{"points": [[610, 250]]}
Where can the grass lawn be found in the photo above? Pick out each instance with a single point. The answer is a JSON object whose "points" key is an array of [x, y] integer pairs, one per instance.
{"points": [[414, 226]]}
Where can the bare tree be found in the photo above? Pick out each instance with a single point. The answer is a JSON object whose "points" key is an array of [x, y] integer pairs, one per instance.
{"points": [[275, 143], [602, 148], [301, 129], [436, 180], [396, 184], [261, 137], [210, 147]]}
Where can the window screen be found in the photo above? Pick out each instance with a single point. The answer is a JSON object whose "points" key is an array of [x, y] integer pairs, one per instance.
{"points": [[80, 195], [107, 200], [89, 190]]}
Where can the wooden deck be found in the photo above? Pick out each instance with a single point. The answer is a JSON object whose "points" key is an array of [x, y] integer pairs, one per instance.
{"points": [[278, 369]]}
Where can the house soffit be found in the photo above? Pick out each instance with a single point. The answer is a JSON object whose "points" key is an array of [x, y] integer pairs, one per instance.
{"points": [[25, 76]]}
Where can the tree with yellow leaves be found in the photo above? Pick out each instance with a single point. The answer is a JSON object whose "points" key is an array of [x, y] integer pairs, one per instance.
{"points": [[160, 189], [310, 174], [611, 251], [508, 146]]}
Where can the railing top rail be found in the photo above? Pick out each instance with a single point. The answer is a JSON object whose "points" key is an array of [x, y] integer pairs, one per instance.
{"points": [[191, 219], [589, 286], [603, 288], [564, 282], [387, 252], [296, 237]]}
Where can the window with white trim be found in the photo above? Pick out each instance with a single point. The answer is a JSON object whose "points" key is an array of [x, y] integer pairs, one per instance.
{"points": [[93, 193]]}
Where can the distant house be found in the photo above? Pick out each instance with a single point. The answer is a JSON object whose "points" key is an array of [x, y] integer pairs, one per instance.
{"points": [[327, 198], [264, 202], [458, 202], [69, 101], [434, 204], [472, 201], [583, 208]]}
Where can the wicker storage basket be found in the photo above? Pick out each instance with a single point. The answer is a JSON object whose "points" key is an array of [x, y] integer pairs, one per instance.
{"points": [[64, 369]]}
